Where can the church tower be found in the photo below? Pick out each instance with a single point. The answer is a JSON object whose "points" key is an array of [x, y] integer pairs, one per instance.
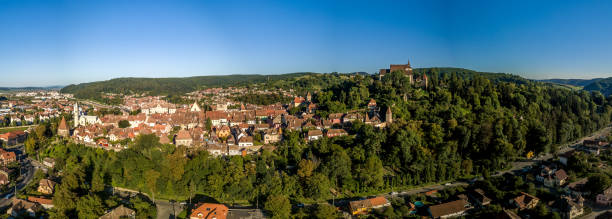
{"points": [[75, 114], [309, 97], [389, 116]]}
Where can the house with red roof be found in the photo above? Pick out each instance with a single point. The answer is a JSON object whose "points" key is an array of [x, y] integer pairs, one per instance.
{"points": [[13, 138], [209, 211], [7, 157], [183, 138]]}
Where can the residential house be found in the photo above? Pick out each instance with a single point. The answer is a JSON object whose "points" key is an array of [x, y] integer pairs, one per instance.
{"points": [[271, 136], [119, 212], [209, 211], [7, 157], [525, 201], [478, 195], [44, 202], [450, 209], [372, 104], [335, 118], [336, 132], [4, 178], [102, 142], [577, 188], [605, 198], [49, 162], [183, 138], [22, 207], [569, 208], [46, 186], [223, 132], [364, 206], [13, 138], [297, 101], [552, 177], [245, 141], [314, 134]]}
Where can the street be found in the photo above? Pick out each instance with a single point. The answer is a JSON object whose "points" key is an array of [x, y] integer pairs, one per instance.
{"points": [[26, 177], [165, 209]]}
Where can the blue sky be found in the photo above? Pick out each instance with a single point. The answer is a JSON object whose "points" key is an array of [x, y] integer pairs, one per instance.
{"points": [[62, 42]]}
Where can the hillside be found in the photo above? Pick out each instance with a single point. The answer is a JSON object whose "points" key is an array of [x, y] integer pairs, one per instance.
{"points": [[573, 82], [603, 85], [166, 86]]}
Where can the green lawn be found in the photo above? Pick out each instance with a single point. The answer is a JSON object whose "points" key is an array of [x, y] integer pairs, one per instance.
{"points": [[10, 129]]}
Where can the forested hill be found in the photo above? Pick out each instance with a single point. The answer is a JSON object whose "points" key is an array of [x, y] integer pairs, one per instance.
{"points": [[165, 86], [573, 82], [604, 86]]}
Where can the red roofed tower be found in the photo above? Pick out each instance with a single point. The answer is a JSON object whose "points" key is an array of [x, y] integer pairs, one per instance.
{"points": [[62, 129]]}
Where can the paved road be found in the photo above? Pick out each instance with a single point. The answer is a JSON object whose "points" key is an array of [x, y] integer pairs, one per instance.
{"points": [[562, 149], [165, 209], [596, 210], [26, 178], [426, 189]]}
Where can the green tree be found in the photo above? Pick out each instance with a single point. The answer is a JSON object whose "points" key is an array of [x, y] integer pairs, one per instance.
{"points": [[278, 206], [325, 211], [152, 177], [124, 124], [90, 206], [597, 183]]}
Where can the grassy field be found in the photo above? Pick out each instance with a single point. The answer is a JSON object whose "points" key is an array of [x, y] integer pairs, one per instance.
{"points": [[10, 129]]}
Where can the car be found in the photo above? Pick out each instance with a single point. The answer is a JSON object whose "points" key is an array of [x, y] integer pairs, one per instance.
{"points": [[447, 184], [8, 196]]}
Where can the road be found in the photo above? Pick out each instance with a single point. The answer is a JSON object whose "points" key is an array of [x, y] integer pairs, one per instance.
{"points": [[165, 209], [562, 149], [426, 189], [596, 210], [25, 180]]}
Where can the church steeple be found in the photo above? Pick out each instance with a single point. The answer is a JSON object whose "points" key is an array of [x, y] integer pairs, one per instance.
{"points": [[75, 114]]}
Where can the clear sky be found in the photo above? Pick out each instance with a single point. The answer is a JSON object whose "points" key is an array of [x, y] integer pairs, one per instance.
{"points": [[62, 42]]}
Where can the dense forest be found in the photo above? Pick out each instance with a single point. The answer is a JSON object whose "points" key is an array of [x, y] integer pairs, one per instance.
{"points": [[464, 124]]}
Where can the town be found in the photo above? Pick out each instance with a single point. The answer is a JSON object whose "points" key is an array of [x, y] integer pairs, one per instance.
{"points": [[227, 122]]}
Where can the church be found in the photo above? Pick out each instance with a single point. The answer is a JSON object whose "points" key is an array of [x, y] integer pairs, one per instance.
{"points": [[422, 81], [81, 119]]}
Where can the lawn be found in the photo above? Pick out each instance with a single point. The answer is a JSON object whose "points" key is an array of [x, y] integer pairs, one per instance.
{"points": [[10, 129]]}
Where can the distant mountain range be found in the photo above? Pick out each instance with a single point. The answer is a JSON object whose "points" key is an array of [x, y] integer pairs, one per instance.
{"points": [[603, 85], [56, 87]]}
